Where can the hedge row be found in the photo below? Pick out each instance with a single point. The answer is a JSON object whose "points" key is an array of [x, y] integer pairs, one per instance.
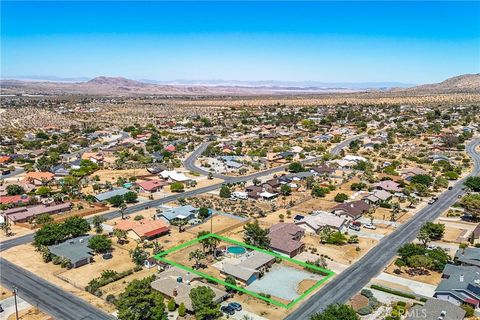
{"points": [[395, 292]]}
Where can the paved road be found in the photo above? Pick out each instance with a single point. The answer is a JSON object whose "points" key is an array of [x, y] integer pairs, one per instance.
{"points": [[48, 297], [341, 288], [189, 163], [14, 173]]}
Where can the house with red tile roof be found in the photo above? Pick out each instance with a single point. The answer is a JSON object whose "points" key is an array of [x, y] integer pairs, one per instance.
{"points": [[143, 229], [39, 178], [170, 148], [18, 199], [152, 186]]}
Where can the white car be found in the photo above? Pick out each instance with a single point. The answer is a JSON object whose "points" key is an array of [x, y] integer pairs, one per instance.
{"points": [[369, 226], [432, 247]]}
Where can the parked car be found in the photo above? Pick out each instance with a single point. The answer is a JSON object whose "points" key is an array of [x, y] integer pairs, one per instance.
{"points": [[354, 227], [228, 310], [432, 201], [432, 247], [235, 305], [450, 188], [1, 308], [369, 226], [5, 172]]}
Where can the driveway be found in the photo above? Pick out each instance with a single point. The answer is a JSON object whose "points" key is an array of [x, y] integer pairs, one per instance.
{"points": [[8, 306], [244, 315]]}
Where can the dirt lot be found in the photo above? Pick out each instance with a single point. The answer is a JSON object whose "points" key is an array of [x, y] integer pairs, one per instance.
{"points": [[31, 313], [80, 277], [219, 224], [47, 271], [433, 278], [17, 231]]}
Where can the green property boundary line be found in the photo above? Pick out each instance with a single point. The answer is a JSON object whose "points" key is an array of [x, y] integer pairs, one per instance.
{"points": [[328, 273]]}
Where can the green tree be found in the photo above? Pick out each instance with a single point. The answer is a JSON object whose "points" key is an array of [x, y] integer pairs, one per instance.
{"points": [[75, 226], [255, 235], [13, 190], [177, 187], [296, 167], [341, 197], [471, 204], [230, 280], [100, 243], [196, 255], [97, 223], [203, 213], [319, 192], [116, 201], [336, 312], [473, 183], [121, 235], [43, 191], [423, 179], [43, 219], [130, 197], [48, 234], [182, 310], [138, 256], [225, 191], [203, 303], [171, 305], [140, 302], [285, 189]]}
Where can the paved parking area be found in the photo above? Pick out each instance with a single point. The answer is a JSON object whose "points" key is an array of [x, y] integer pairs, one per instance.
{"points": [[282, 282]]}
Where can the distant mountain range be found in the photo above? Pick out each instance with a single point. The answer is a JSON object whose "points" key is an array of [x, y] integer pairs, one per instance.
{"points": [[123, 86]]}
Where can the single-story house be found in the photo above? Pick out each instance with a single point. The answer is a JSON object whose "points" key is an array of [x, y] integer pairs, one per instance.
{"points": [[173, 175], [17, 199], [315, 223], [435, 309], [285, 239], [76, 250], [152, 186], [39, 178], [459, 285], [322, 170], [23, 214], [177, 283], [109, 194], [352, 209], [233, 164], [378, 196], [143, 229], [388, 185], [247, 268], [186, 213], [468, 257], [254, 191]]}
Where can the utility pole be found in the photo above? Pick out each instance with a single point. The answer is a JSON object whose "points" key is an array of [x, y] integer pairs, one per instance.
{"points": [[15, 298]]}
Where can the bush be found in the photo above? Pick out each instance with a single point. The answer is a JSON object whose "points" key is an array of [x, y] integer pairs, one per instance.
{"points": [[171, 305], [373, 303], [468, 309], [400, 263], [111, 298], [364, 311], [341, 197], [182, 311], [401, 303], [366, 293]]}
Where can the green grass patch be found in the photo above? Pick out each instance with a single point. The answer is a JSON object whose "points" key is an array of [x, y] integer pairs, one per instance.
{"points": [[327, 273]]}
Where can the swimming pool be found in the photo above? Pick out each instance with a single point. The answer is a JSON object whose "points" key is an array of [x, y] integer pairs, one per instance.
{"points": [[237, 250]]}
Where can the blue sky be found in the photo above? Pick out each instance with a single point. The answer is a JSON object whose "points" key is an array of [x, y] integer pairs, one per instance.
{"points": [[319, 41]]}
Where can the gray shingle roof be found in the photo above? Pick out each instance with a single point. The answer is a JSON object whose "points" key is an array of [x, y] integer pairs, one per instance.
{"points": [[75, 249]]}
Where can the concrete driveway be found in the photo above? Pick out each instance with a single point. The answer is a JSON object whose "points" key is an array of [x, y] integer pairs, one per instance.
{"points": [[8, 306]]}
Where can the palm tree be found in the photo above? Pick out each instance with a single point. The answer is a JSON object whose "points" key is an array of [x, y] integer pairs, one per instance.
{"points": [[123, 207]]}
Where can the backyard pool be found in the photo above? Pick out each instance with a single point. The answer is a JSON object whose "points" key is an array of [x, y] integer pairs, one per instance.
{"points": [[236, 250]]}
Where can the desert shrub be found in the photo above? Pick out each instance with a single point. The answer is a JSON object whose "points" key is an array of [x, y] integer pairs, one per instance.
{"points": [[364, 311], [366, 293]]}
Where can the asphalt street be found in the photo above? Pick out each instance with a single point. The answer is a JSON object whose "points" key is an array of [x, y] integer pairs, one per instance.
{"points": [[343, 286], [51, 299]]}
